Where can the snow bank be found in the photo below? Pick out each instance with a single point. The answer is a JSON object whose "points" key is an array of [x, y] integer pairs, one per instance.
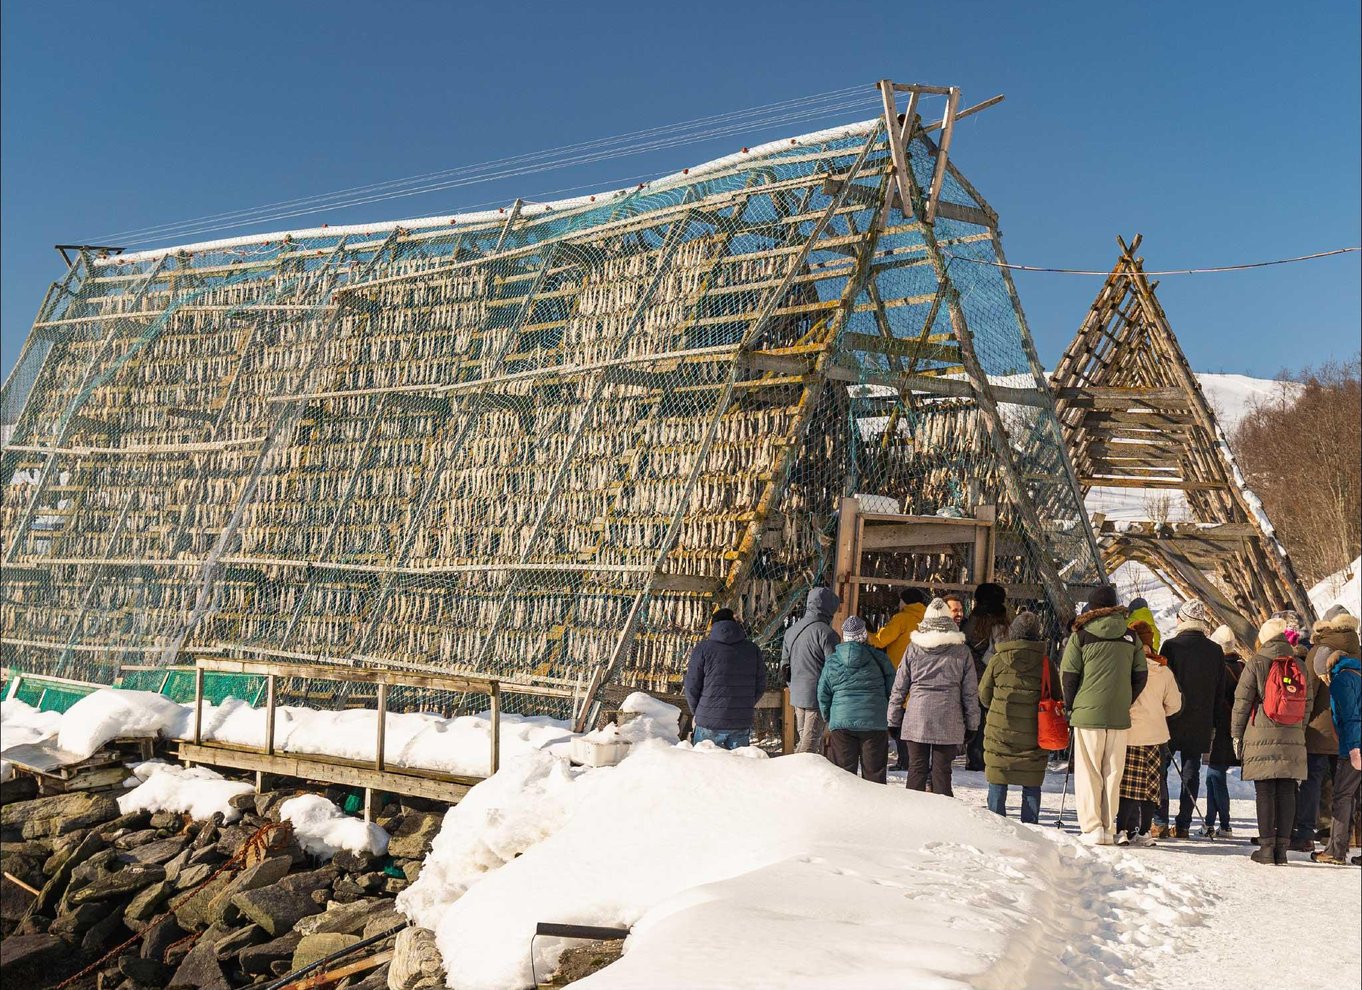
{"points": [[1341, 588], [790, 872], [22, 724], [322, 829], [654, 720], [111, 713], [196, 791], [525, 802]]}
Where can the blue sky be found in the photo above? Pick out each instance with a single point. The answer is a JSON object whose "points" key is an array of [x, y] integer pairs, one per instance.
{"points": [[1225, 132]]}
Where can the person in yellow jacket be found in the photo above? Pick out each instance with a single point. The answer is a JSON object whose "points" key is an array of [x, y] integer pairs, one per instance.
{"points": [[1139, 612], [893, 639]]}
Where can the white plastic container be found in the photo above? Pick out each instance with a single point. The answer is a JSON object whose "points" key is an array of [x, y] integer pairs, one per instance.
{"points": [[591, 753]]}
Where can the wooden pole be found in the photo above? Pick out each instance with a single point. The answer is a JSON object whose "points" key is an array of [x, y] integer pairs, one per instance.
{"points": [[198, 706], [496, 726], [382, 726], [269, 713]]}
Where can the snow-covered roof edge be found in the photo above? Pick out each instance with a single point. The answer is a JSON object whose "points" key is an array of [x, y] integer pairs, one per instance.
{"points": [[527, 210]]}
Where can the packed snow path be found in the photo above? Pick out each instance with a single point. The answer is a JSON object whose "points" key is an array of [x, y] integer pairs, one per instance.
{"points": [[1253, 917]]}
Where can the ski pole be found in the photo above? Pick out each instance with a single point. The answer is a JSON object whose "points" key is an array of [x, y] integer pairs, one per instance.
{"points": [[1068, 769], [1183, 785]]}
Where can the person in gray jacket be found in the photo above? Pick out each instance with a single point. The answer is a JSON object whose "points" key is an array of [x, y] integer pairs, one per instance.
{"points": [[805, 646], [938, 681]]}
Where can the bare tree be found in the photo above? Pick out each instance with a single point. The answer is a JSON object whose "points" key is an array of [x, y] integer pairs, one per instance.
{"points": [[1301, 452]]}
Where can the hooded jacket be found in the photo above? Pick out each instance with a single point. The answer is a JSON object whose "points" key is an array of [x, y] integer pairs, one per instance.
{"points": [[1010, 690], [937, 678], [1222, 744], [1102, 677], [725, 678], [807, 644], [893, 638], [1339, 633], [1142, 614], [1151, 711], [1345, 696], [853, 690], [1271, 751], [1198, 663]]}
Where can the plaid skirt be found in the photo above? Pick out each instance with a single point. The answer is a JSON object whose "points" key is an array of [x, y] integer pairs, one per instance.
{"points": [[1140, 782]]}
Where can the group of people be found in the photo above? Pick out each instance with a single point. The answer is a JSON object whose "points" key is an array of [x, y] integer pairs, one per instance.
{"points": [[935, 681]]}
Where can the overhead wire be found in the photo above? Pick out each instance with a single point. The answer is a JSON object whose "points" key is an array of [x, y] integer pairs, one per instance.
{"points": [[527, 169], [697, 129], [1171, 271]]}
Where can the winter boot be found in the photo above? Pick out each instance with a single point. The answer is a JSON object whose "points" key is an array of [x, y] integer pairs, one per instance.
{"points": [[1279, 851], [1324, 857], [1302, 845], [1263, 854]]}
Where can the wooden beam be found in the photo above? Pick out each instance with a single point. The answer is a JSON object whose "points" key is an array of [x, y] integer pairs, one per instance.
{"points": [[332, 770]]}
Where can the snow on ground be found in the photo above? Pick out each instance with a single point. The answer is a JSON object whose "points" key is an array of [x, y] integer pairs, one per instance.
{"points": [[322, 829], [196, 791], [1232, 946], [781, 873]]}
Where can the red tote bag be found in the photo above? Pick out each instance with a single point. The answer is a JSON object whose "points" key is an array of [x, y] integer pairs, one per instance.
{"points": [[1052, 728]]}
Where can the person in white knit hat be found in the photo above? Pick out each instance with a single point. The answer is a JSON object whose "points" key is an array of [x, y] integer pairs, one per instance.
{"points": [[941, 689]]}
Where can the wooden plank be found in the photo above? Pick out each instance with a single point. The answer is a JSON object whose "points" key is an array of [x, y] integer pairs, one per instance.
{"points": [[965, 214], [437, 787], [916, 535], [1188, 486], [942, 150]]}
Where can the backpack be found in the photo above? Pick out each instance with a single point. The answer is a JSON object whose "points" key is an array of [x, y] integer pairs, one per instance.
{"points": [[1284, 693]]}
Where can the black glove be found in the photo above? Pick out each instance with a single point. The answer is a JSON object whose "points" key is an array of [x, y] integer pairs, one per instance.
{"points": [[785, 674]]}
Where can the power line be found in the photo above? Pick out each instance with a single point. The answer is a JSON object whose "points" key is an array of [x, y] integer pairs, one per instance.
{"points": [[1175, 271], [634, 142]]}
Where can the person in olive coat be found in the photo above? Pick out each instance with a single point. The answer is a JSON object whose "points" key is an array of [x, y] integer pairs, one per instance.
{"points": [[1273, 754], [1010, 690], [853, 698]]}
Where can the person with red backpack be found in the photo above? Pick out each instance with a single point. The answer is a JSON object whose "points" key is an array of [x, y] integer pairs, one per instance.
{"points": [[1271, 705]]}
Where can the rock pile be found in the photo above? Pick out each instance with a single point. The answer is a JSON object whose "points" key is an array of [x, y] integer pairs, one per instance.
{"points": [[201, 904]]}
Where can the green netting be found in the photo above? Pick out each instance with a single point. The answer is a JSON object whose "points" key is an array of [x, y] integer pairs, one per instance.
{"points": [[49, 696], [537, 445]]}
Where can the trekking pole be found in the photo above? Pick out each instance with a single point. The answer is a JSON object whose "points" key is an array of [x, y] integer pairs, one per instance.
{"points": [[1068, 769], [1182, 786]]}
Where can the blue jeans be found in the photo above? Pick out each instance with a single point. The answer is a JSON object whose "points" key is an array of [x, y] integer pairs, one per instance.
{"points": [[1217, 795], [723, 738], [1030, 807]]}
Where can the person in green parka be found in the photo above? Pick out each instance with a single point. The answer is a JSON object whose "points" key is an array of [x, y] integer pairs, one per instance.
{"points": [[1010, 690]]}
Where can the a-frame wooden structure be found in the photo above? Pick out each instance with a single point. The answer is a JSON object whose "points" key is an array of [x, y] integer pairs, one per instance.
{"points": [[1134, 417]]}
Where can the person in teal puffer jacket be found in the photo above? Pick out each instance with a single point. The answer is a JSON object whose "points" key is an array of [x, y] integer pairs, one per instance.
{"points": [[853, 698]]}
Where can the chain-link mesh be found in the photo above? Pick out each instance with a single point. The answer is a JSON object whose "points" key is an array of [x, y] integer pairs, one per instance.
{"points": [[539, 446]]}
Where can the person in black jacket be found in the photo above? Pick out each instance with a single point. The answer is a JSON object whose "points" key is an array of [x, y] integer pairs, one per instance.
{"points": [[1198, 664], [724, 680], [1222, 746]]}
